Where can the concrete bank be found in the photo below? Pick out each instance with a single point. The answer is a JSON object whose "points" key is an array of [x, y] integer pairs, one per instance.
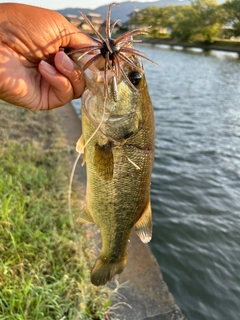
{"points": [[227, 46], [145, 290]]}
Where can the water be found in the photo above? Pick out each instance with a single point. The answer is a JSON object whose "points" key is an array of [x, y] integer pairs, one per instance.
{"points": [[196, 179]]}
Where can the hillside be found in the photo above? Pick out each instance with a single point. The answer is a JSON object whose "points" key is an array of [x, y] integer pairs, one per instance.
{"points": [[124, 9]]}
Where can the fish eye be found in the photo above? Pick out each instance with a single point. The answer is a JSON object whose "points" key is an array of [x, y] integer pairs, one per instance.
{"points": [[135, 77]]}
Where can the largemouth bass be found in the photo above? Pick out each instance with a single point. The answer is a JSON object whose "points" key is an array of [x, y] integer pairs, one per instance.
{"points": [[118, 146]]}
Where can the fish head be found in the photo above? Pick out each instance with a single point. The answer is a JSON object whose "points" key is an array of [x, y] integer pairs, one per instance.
{"points": [[114, 97]]}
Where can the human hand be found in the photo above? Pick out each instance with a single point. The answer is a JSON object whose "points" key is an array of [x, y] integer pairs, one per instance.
{"points": [[34, 72]]}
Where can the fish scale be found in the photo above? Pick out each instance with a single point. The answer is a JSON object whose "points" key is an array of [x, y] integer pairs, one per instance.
{"points": [[117, 191], [118, 147]]}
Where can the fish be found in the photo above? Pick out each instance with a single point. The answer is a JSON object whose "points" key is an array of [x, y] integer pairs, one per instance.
{"points": [[117, 144]]}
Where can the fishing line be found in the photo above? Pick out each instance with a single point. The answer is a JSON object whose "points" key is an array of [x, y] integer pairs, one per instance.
{"points": [[76, 162], [99, 126], [82, 151], [70, 194]]}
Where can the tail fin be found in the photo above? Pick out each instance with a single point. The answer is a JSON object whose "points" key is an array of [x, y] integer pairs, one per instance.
{"points": [[103, 270]]}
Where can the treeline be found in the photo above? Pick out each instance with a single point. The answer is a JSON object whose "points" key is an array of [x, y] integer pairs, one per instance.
{"points": [[202, 20]]}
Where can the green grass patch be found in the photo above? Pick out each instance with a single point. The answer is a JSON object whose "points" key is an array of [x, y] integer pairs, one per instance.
{"points": [[43, 269]]}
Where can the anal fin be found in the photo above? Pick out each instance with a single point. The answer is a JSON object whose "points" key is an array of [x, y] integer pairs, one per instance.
{"points": [[143, 226]]}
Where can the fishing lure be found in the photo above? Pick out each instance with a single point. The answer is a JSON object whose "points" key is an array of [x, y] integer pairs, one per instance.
{"points": [[113, 51]]}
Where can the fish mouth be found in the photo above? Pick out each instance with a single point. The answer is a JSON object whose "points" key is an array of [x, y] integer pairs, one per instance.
{"points": [[108, 117], [96, 71]]}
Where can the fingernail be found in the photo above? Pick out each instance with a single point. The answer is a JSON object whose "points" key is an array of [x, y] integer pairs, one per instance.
{"points": [[67, 63], [48, 68]]}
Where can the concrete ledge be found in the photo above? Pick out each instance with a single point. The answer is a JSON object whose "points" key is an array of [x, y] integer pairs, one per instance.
{"points": [[145, 290], [227, 46]]}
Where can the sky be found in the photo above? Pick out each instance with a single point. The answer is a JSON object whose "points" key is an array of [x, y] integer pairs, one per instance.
{"points": [[61, 4]]}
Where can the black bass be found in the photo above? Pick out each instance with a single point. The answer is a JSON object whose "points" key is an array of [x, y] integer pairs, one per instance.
{"points": [[118, 146]]}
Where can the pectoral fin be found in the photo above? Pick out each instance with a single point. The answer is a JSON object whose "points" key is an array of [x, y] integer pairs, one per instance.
{"points": [[80, 148], [143, 226], [103, 160]]}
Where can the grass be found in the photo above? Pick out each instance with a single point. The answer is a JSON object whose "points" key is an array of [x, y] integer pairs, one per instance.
{"points": [[44, 273]]}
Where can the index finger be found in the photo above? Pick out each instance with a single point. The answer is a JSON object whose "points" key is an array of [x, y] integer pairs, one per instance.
{"points": [[72, 37]]}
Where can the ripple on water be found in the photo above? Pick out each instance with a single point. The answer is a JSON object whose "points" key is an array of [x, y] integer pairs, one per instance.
{"points": [[196, 180]]}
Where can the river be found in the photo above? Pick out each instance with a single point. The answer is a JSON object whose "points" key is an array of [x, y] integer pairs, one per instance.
{"points": [[196, 179]]}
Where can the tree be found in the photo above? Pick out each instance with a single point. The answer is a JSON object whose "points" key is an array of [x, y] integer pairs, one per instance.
{"points": [[232, 16], [199, 21], [180, 20], [151, 16]]}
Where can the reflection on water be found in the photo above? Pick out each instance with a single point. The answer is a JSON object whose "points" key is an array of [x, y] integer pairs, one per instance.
{"points": [[196, 179], [77, 106], [224, 55]]}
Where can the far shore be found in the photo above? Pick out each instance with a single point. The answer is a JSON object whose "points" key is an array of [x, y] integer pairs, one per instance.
{"points": [[228, 46]]}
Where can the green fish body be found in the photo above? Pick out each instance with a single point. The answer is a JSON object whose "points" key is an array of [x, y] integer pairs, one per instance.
{"points": [[119, 154]]}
